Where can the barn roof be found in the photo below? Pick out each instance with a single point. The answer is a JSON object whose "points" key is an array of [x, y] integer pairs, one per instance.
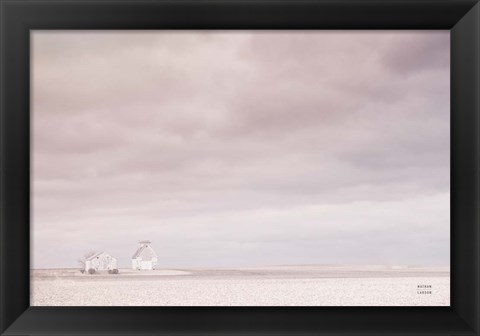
{"points": [[97, 255], [145, 252]]}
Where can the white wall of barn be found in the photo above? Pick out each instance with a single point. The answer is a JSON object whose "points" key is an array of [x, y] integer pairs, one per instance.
{"points": [[103, 262]]}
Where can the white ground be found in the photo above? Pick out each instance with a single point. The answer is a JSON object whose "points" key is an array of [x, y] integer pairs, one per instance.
{"points": [[267, 286]]}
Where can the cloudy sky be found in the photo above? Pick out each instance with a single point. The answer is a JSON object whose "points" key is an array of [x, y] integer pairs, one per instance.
{"points": [[241, 148]]}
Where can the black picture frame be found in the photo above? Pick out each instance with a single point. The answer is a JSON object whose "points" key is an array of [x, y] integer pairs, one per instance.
{"points": [[18, 17]]}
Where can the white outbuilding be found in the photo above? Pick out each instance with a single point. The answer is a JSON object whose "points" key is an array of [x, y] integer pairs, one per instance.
{"points": [[100, 261], [145, 257]]}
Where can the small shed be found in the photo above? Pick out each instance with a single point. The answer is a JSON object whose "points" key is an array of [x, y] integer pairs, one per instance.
{"points": [[100, 261], [145, 257]]}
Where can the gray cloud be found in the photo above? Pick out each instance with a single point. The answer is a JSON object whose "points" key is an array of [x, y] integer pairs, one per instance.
{"points": [[241, 148]]}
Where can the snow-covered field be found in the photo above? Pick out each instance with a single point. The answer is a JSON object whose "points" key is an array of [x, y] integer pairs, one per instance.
{"points": [[259, 286]]}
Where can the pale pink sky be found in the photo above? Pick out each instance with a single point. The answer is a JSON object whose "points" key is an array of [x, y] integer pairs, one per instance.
{"points": [[241, 148]]}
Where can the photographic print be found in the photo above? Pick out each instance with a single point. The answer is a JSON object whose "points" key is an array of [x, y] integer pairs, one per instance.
{"points": [[240, 168]]}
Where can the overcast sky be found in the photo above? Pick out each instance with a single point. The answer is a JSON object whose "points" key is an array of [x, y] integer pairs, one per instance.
{"points": [[241, 148]]}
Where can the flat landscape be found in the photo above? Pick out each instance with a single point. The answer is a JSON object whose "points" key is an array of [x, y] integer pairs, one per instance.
{"points": [[307, 285]]}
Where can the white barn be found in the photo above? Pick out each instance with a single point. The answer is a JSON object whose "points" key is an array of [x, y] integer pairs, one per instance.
{"points": [[101, 261], [145, 257]]}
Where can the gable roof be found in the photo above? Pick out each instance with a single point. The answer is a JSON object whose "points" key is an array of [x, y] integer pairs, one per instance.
{"points": [[96, 255], [145, 252]]}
